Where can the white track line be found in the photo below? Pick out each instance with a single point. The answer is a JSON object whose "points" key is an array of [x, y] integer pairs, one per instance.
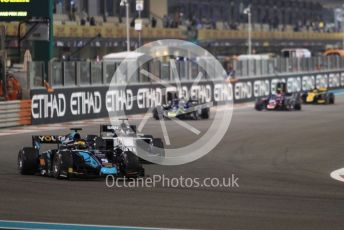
{"points": [[338, 174]]}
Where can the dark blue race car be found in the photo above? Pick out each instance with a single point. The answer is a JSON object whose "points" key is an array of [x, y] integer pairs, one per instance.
{"points": [[75, 157]]}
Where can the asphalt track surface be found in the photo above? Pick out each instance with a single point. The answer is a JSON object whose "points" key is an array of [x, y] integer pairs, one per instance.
{"points": [[283, 161]]}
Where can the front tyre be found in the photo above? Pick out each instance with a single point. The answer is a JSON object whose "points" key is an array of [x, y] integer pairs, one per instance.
{"points": [[57, 166], [156, 114], [129, 165]]}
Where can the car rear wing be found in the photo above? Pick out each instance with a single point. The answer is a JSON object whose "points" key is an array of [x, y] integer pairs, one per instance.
{"points": [[37, 141], [108, 128], [113, 129]]}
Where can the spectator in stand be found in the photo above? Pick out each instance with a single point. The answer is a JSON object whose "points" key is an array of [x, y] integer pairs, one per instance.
{"points": [[92, 21], [176, 20], [270, 22], [132, 23], [153, 22], [308, 25], [59, 7], [230, 73], [83, 17], [73, 10], [276, 22], [213, 24], [105, 16], [233, 26], [321, 26], [165, 21]]}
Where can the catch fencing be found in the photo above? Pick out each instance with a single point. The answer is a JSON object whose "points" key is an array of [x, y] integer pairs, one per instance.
{"points": [[88, 73]]}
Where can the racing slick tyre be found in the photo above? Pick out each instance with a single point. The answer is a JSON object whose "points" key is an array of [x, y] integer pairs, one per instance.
{"points": [[28, 161], [61, 163], [129, 165], [195, 115], [304, 98], [133, 128], [155, 114], [144, 144], [205, 113], [297, 107], [259, 106], [159, 147], [331, 98], [287, 105], [316, 99], [57, 166]]}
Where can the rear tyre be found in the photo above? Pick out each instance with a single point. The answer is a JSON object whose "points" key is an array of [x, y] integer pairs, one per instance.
{"points": [[297, 107], [28, 161], [259, 106], [205, 113], [133, 128], [331, 98]]}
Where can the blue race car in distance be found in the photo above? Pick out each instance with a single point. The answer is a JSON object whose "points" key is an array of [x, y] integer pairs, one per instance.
{"points": [[75, 158]]}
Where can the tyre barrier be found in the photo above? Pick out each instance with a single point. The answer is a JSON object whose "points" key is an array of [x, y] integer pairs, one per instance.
{"points": [[15, 113]]}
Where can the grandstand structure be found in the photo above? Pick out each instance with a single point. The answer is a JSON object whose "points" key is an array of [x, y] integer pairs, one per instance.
{"points": [[219, 25]]}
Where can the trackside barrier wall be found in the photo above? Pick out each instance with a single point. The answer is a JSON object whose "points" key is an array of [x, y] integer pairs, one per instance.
{"points": [[77, 103], [15, 113]]}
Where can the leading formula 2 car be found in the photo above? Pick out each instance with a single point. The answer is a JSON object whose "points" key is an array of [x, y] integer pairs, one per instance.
{"points": [[76, 157], [318, 96]]}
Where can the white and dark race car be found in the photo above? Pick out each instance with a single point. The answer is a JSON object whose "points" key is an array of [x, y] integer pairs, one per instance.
{"points": [[183, 109], [124, 138]]}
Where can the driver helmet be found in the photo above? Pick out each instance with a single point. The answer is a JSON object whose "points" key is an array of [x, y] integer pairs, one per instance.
{"points": [[80, 144]]}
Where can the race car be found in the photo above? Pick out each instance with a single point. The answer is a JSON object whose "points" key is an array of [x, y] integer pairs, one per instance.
{"points": [[181, 109], [318, 96], [75, 157], [124, 138], [279, 101]]}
